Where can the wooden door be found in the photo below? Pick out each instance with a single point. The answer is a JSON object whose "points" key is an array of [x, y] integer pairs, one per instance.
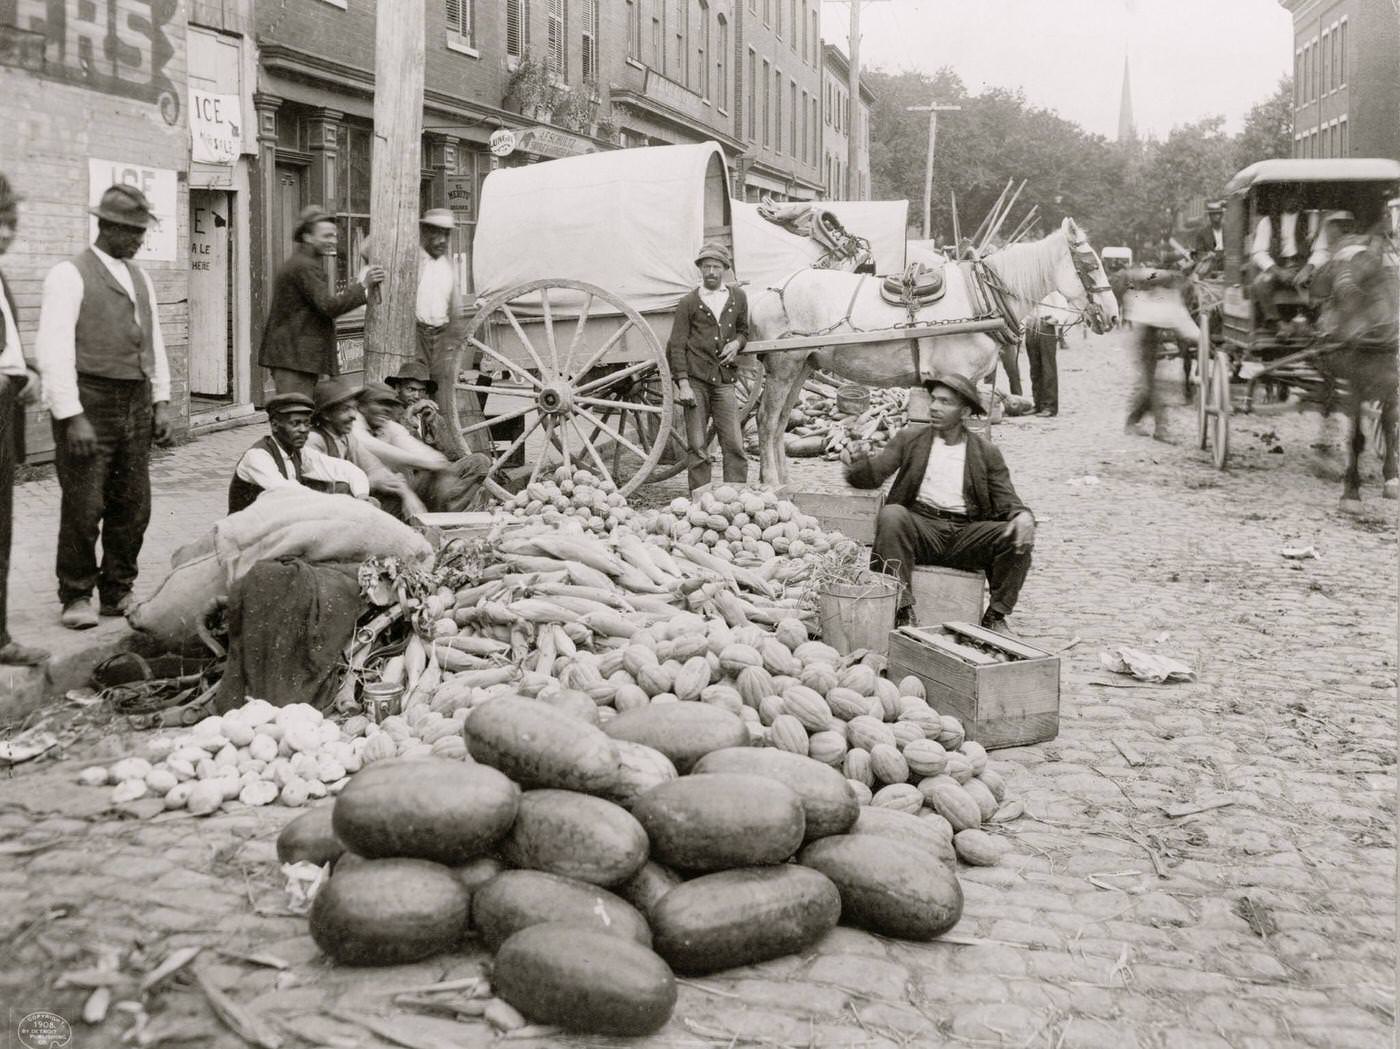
{"points": [[211, 350]]}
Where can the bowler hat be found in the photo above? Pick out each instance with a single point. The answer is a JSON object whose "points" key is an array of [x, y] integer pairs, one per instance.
{"points": [[413, 371], [441, 218], [310, 215], [962, 387], [718, 252], [378, 391], [125, 205], [330, 392], [283, 403]]}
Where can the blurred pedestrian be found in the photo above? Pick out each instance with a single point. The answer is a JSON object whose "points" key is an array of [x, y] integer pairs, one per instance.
{"points": [[19, 385], [107, 385]]}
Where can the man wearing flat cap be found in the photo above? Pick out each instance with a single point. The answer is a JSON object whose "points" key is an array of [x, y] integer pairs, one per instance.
{"points": [[282, 460], [711, 326], [107, 387], [952, 503], [298, 343]]}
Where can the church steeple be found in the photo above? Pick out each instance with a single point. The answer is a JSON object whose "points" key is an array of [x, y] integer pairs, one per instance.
{"points": [[1127, 131]]}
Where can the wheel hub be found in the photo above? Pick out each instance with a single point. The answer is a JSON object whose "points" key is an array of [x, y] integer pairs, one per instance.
{"points": [[555, 399]]}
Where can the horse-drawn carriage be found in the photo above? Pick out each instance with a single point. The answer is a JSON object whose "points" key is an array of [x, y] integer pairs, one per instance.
{"points": [[1306, 353], [579, 264]]}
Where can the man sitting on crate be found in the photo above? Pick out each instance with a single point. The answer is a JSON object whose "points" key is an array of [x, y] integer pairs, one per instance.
{"points": [[952, 503]]}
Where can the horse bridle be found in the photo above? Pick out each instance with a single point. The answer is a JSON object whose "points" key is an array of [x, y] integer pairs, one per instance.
{"points": [[1081, 254]]}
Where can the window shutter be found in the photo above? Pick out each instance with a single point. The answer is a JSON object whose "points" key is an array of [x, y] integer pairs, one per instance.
{"points": [[454, 16], [513, 27]]}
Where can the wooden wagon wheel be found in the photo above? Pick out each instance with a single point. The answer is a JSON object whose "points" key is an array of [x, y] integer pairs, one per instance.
{"points": [[1218, 410], [1203, 352], [570, 398]]}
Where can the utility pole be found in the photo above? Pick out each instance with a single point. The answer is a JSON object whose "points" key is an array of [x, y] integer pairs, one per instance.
{"points": [[932, 109], [853, 89], [395, 169]]}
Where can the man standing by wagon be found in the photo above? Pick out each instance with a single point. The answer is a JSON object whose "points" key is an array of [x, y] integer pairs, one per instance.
{"points": [[107, 386], [951, 504], [298, 342], [439, 305], [711, 326]]}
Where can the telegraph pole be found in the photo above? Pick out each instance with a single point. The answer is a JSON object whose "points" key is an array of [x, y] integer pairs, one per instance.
{"points": [[932, 109], [853, 89], [395, 168]]}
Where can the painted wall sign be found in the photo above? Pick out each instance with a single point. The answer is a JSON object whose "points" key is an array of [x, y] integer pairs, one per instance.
{"points": [[215, 135], [549, 142], [160, 187], [118, 47], [461, 194], [503, 142]]}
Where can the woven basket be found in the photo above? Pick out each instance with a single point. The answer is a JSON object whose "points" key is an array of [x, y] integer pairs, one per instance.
{"points": [[852, 399]]}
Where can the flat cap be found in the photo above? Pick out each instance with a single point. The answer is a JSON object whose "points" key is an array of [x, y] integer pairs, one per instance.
{"points": [[282, 403]]}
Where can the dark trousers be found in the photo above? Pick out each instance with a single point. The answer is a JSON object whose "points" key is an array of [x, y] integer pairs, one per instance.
{"points": [[720, 403], [108, 494], [1263, 285], [289, 380], [438, 357], [1010, 354], [905, 538], [1145, 396], [11, 416], [1041, 347]]}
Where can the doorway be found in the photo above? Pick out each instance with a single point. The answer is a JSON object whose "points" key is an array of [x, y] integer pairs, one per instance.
{"points": [[211, 295]]}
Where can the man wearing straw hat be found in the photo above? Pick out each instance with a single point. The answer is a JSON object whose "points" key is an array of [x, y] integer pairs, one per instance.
{"points": [[711, 326], [298, 343], [107, 386], [952, 503]]}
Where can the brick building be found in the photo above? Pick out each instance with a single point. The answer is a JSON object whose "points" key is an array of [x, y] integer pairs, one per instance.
{"points": [[839, 123], [1346, 78]]}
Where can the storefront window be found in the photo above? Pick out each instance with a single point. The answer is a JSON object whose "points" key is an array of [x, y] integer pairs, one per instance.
{"points": [[352, 200]]}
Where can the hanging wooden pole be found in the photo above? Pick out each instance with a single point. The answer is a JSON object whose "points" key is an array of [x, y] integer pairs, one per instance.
{"points": [[992, 212], [1023, 226], [395, 170], [996, 227]]}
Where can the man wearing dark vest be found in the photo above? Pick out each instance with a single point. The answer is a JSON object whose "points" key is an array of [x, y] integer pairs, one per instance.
{"points": [[282, 460], [107, 386], [1278, 252], [19, 385]]}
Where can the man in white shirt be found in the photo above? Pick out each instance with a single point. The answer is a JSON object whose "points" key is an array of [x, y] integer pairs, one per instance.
{"points": [[444, 486], [951, 504], [1278, 251], [282, 460], [107, 387], [439, 304], [339, 432], [19, 385]]}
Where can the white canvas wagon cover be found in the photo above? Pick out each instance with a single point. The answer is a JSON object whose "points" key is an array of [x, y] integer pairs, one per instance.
{"points": [[765, 253], [627, 220]]}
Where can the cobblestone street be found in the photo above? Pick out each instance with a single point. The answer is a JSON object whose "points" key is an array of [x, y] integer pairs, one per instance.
{"points": [[1262, 917]]}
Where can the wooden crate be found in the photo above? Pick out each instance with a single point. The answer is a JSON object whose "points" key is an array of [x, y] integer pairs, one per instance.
{"points": [[943, 595], [442, 528], [1000, 704], [850, 512]]}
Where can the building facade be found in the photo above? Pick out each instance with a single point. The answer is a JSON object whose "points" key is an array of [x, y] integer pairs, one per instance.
{"points": [[839, 124], [1346, 78]]}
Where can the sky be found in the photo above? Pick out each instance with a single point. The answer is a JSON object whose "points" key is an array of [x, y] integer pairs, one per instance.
{"points": [[1189, 58]]}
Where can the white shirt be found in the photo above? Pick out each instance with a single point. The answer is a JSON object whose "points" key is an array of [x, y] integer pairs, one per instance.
{"points": [[943, 479], [1263, 234], [258, 467], [398, 449], [55, 349], [12, 357], [714, 300], [437, 281], [1219, 237]]}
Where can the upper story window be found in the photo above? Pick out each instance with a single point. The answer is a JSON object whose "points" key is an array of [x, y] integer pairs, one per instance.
{"points": [[722, 61], [557, 39], [634, 30], [461, 21], [1341, 64], [702, 51], [517, 27], [589, 48]]}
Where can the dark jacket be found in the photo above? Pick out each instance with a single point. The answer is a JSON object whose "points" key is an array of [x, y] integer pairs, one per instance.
{"points": [[17, 423], [695, 342], [300, 332], [987, 489]]}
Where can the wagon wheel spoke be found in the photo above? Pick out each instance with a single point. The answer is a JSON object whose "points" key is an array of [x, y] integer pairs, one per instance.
{"points": [[549, 437], [578, 330], [514, 445], [633, 406], [593, 454], [604, 381], [524, 339], [547, 312], [600, 352], [497, 419], [613, 433], [517, 391], [510, 365]]}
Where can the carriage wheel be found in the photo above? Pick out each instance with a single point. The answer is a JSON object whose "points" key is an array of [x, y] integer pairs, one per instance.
{"points": [[1203, 353], [573, 411], [1220, 408]]}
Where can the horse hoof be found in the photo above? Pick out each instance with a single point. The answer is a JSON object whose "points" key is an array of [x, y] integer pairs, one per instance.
{"points": [[1392, 489], [1350, 506]]}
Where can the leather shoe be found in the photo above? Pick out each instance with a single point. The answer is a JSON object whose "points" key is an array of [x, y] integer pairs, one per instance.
{"points": [[119, 607], [78, 615], [1045, 413], [996, 622], [13, 654]]}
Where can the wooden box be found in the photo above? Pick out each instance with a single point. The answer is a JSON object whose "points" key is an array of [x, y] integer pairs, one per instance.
{"points": [[1000, 704], [442, 528], [851, 512], [943, 595]]}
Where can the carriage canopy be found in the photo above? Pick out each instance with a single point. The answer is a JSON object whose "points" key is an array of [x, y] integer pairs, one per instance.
{"points": [[629, 220], [1340, 169]]}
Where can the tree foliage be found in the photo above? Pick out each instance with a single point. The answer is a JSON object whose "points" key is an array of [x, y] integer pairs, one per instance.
{"points": [[1124, 193]]}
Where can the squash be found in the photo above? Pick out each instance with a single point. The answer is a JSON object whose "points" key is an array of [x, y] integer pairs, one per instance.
{"points": [[425, 808], [389, 912], [887, 886], [684, 732], [640, 769], [584, 981], [575, 835], [310, 839], [742, 917], [540, 746], [475, 873], [828, 804], [645, 889], [908, 829], [721, 820], [515, 900]]}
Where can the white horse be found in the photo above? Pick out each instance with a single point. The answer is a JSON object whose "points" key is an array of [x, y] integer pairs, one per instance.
{"points": [[827, 301]]}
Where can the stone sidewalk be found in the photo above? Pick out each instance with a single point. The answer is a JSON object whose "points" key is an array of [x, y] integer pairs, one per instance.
{"points": [[1264, 922]]}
